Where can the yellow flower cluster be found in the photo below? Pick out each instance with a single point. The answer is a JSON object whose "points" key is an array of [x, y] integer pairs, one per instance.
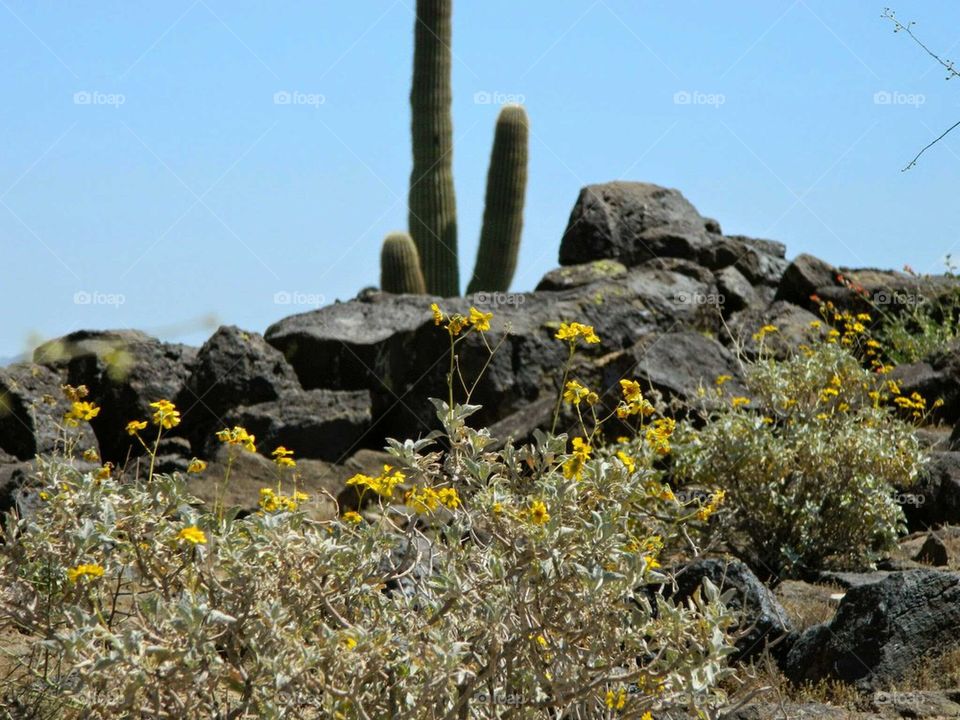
{"points": [[457, 323], [135, 426], [573, 467], [427, 499], [192, 535], [383, 485], [80, 411], [196, 466], [537, 513], [616, 700], [271, 501], [658, 435], [354, 518], [283, 457], [165, 414], [87, 570], [575, 392], [633, 401], [762, 333], [238, 436], [711, 507], [572, 332]]}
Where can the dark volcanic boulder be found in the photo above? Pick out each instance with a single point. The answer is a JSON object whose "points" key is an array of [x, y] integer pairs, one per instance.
{"points": [[934, 499], [319, 424], [233, 368], [571, 276], [793, 325], [389, 344], [805, 276], [125, 370], [676, 365], [632, 222], [881, 631], [762, 619], [32, 407]]}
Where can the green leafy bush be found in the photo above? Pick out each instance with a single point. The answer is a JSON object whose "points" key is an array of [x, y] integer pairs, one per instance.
{"points": [[474, 582], [810, 458]]}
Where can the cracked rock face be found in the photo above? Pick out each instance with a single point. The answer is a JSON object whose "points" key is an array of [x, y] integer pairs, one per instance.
{"points": [[881, 631]]}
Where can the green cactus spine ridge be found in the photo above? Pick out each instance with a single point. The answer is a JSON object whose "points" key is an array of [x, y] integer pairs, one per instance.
{"points": [[432, 201], [400, 266], [503, 209]]}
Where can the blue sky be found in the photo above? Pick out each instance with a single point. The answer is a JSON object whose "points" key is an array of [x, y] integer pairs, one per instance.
{"points": [[151, 180]]}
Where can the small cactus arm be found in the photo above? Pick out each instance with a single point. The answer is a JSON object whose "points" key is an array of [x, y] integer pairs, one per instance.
{"points": [[503, 211], [400, 266]]}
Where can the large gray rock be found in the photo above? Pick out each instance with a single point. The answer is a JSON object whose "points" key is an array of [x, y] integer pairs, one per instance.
{"points": [[318, 424], [675, 365], [762, 620], [632, 222], [934, 499], [805, 276], [32, 407], [233, 368], [881, 631], [125, 370], [389, 344]]}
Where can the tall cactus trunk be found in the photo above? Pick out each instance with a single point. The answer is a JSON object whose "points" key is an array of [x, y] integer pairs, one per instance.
{"points": [[400, 266], [432, 203], [503, 211]]}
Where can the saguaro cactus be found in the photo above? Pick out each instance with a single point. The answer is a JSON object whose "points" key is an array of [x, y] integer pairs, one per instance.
{"points": [[432, 202], [400, 265], [503, 211]]}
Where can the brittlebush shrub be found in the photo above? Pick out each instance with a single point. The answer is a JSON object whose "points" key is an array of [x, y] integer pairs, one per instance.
{"points": [[810, 457], [473, 583]]}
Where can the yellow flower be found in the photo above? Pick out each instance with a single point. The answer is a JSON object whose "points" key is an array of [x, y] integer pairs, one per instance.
{"points": [[383, 484], [283, 457], [196, 466], [541, 641], [573, 468], [238, 436], [496, 508], [739, 401], [437, 314], [647, 716], [457, 324], [165, 414], [575, 392], [354, 518], [91, 455], [658, 435], [764, 331], [721, 379], [103, 473], [711, 507], [91, 570], [815, 324], [449, 498], [538, 513], [349, 643], [616, 700], [422, 501], [571, 332], [80, 411], [74, 394], [192, 535], [631, 391], [627, 461], [480, 320], [135, 426]]}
